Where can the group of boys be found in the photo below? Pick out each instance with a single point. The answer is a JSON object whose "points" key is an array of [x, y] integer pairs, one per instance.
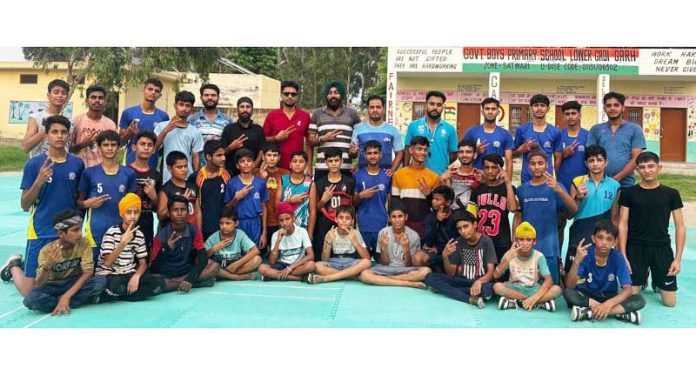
{"points": [[440, 221]]}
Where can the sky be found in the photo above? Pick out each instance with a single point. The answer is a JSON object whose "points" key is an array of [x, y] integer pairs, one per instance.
{"points": [[11, 54]]}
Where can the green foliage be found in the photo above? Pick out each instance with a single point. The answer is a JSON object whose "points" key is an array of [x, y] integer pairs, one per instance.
{"points": [[12, 158], [260, 60]]}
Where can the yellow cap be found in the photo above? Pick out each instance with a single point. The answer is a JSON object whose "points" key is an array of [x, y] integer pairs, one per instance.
{"points": [[525, 230]]}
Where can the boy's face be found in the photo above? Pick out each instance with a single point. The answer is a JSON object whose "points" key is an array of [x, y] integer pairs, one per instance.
{"points": [[286, 221], [572, 117], [490, 170], [613, 108], [537, 166], [418, 152], [131, 216], [490, 112], [179, 169], [218, 158], [648, 170], [144, 148], [344, 220], [298, 164], [183, 109], [57, 136], [271, 158], [334, 164], [466, 229], [108, 149], [439, 201], [95, 101], [72, 235], [373, 156], [57, 96], [526, 245], [151, 93], [245, 164], [603, 242], [178, 213], [539, 110], [596, 164], [466, 155], [227, 225], [397, 219]]}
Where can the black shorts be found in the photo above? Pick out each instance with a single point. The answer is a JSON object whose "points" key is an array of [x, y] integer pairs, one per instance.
{"points": [[655, 259], [279, 266], [569, 258]]}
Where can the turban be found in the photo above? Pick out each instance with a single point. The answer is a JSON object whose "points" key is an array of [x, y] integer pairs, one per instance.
{"points": [[525, 230], [284, 208], [129, 201], [338, 85]]}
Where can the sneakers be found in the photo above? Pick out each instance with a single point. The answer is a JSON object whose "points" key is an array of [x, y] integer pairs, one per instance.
{"points": [[477, 301], [580, 313], [12, 261], [632, 317], [507, 303], [548, 305]]}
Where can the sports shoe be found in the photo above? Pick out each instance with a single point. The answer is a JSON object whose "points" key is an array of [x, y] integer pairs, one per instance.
{"points": [[477, 301], [547, 305], [12, 261], [507, 303], [632, 317], [580, 313]]}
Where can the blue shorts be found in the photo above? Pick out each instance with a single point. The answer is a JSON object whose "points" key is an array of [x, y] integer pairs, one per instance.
{"points": [[31, 257], [370, 239], [342, 263], [252, 228], [279, 266]]}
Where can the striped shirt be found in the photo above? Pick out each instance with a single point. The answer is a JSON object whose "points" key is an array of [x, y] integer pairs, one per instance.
{"points": [[323, 122], [405, 187], [126, 261]]}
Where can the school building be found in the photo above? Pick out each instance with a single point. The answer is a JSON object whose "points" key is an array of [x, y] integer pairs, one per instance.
{"points": [[23, 89], [659, 84]]}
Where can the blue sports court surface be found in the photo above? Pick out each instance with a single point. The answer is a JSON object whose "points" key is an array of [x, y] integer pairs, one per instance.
{"points": [[349, 304]]}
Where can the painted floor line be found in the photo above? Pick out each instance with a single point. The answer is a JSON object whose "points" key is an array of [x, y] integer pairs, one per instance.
{"points": [[270, 296], [38, 320], [12, 312], [265, 285]]}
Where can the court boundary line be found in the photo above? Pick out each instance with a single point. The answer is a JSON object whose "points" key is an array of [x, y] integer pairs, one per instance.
{"points": [[37, 321], [271, 296], [11, 312]]}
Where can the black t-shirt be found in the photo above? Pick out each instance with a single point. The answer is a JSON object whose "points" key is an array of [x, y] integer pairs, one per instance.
{"points": [[326, 216], [648, 217], [171, 190], [493, 220], [146, 221], [212, 192], [255, 141]]}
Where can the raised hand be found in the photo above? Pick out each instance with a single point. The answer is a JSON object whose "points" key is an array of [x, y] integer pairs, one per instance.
{"points": [[481, 148], [284, 134], [581, 251], [450, 247], [46, 171], [173, 239], [423, 186], [96, 202], [328, 193], [570, 150], [330, 136], [238, 143], [243, 192], [551, 182]]}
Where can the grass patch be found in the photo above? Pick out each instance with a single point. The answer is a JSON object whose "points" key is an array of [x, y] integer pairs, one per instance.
{"points": [[12, 158], [685, 184]]}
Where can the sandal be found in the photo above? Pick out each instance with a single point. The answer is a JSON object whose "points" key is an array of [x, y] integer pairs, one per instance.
{"points": [[308, 278]]}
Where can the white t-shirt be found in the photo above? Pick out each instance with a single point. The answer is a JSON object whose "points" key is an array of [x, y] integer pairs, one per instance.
{"points": [[42, 146], [292, 247]]}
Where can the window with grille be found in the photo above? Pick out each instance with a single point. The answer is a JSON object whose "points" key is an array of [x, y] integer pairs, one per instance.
{"points": [[28, 79], [418, 110], [515, 117]]}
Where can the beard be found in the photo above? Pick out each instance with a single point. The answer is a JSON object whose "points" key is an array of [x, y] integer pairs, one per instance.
{"points": [[333, 104], [433, 115], [289, 105], [244, 117], [210, 104]]}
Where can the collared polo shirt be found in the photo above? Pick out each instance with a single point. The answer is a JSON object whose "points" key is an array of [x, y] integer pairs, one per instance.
{"points": [[442, 141]]}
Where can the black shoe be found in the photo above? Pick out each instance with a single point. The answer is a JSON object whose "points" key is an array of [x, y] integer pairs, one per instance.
{"points": [[578, 313], [205, 284], [15, 260], [632, 317]]}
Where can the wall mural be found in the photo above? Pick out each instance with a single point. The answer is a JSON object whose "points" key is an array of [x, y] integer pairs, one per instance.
{"points": [[20, 110]]}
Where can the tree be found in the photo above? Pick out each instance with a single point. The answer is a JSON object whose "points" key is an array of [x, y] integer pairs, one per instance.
{"points": [[116, 68], [260, 60]]}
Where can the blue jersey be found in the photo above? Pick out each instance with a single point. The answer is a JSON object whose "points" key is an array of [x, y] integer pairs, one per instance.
{"points": [[386, 134], [250, 206], [147, 122], [372, 212], [603, 280], [540, 206], [96, 182], [498, 141], [592, 208], [443, 140], [574, 165], [57, 194], [301, 209], [548, 140]]}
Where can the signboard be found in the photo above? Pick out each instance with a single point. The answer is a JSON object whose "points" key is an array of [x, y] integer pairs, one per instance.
{"points": [[426, 59], [669, 62], [602, 89], [617, 61], [20, 110]]}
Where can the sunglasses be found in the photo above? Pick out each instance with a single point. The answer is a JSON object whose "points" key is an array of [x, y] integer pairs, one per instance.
{"points": [[292, 94]]}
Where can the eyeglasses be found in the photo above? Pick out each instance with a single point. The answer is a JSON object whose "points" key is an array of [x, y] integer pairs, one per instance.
{"points": [[292, 94]]}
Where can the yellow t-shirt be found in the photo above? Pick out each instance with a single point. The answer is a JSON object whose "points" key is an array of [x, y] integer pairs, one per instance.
{"points": [[72, 263]]}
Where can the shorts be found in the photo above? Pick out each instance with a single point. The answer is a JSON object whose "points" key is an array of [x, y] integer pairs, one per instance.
{"points": [[371, 239], [383, 270], [279, 266], [521, 288], [342, 263], [31, 256], [224, 262], [252, 228], [655, 259]]}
